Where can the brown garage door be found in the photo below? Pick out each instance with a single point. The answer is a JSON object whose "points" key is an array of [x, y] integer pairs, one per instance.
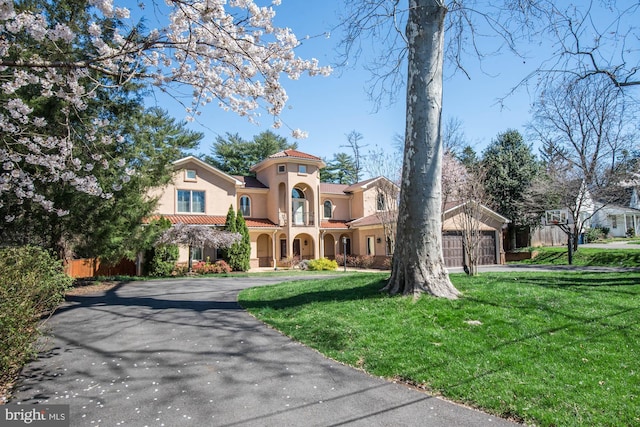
{"points": [[487, 248], [453, 249]]}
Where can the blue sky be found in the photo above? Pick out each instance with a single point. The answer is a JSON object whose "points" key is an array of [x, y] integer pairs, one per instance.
{"points": [[329, 108]]}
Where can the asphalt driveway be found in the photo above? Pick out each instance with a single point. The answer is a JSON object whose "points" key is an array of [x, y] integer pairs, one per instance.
{"points": [[183, 353]]}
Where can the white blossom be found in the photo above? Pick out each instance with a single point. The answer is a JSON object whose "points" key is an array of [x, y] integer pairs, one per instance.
{"points": [[237, 63]]}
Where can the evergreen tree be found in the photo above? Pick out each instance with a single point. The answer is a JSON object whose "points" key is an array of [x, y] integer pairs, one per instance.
{"points": [[230, 225], [340, 170], [468, 157], [512, 168], [243, 254], [235, 156]]}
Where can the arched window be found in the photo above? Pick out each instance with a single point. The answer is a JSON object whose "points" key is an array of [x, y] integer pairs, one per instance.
{"points": [[328, 209], [296, 193], [245, 206], [298, 207]]}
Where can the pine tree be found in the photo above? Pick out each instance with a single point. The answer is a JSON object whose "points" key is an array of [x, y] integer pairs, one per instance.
{"points": [[243, 248], [230, 225]]}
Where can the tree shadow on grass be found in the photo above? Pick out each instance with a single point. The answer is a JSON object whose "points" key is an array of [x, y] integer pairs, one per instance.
{"points": [[369, 290], [593, 282]]}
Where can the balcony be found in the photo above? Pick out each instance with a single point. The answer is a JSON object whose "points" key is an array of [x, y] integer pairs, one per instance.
{"points": [[297, 219]]}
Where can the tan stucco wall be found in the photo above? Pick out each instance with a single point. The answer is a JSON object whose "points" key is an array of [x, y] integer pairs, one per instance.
{"points": [[219, 192], [259, 207], [341, 206]]}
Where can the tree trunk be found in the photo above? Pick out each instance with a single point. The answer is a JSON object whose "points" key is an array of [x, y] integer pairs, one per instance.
{"points": [[418, 265]]}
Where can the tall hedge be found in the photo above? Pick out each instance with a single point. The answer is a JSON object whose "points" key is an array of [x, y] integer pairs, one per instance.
{"points": [[32, 285]]}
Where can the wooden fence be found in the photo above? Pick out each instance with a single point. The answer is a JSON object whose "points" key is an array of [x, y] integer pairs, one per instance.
{"points": [[93, 267]]}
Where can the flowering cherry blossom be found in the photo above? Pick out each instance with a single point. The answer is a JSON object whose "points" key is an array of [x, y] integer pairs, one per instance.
{"points": [[229, 53]]}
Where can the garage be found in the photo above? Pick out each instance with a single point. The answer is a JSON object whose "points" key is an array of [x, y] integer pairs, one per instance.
{"points": [[453, 248], [485, 221]]}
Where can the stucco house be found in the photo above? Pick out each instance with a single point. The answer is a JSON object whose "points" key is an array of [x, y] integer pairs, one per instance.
{"points": [[288, 211]]}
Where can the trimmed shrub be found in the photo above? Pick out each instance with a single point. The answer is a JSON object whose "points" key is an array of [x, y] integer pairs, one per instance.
{"points": [[218, 267], [321, 264], [32, 285], [360, 261], [163, 260]]}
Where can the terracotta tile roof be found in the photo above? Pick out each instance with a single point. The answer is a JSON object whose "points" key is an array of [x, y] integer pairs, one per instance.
{"points": [[191, 219], [211, 220], [250, 181], [333, 223], [365, 220], [259, 223], [294, 153], [331, 188]]}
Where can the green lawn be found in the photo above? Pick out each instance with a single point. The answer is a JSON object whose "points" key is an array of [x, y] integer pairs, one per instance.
{"points": [[587, 257], [554, 349]]}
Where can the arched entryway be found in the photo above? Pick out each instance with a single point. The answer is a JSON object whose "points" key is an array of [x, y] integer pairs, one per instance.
{"points": [[342, 243], [264, 248], [303, 246], [329, 246]]}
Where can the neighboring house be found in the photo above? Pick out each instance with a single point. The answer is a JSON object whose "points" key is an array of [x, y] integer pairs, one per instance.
{"points": [[622, 219], [489, 224], [288, 211]]}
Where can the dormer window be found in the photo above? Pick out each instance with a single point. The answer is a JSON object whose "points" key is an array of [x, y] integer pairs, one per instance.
{"points": [[302, 169], [282, 168], [190, 175]]}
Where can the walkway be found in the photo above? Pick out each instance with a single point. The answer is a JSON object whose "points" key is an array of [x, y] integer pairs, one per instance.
{"points": [[183, 353]]}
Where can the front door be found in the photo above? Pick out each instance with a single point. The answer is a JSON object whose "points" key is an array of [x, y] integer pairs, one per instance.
{"points": [[283, 248], [296, 248]]}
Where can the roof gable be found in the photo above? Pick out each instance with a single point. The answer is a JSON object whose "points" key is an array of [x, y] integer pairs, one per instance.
{"points": [[184, 162], [369, 183]]}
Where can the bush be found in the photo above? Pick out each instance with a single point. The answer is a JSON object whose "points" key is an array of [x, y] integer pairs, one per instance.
{"points": [[163, 260], [218, 267], [361, 261], [32, 285], [631, 232], [593, 234], [322, 264]]}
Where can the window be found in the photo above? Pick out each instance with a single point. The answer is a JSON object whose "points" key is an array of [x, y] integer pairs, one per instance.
{"points": [[302, 168], [245, 206], [282, 168], [371, 245], [614, 221], [298, 207], [190, 201], [190, 175], [380, 202], [296, 193], [196, 253], [328, 209]]}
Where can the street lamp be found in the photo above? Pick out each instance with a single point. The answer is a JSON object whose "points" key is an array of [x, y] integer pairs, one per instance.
{"points": [[344, 251]]}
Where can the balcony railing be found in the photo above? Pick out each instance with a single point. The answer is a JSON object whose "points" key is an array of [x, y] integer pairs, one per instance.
{"points": [[297, 219]]}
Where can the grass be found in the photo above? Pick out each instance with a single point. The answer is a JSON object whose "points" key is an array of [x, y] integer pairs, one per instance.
{"points": [[587, 257], [553, 349]]}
